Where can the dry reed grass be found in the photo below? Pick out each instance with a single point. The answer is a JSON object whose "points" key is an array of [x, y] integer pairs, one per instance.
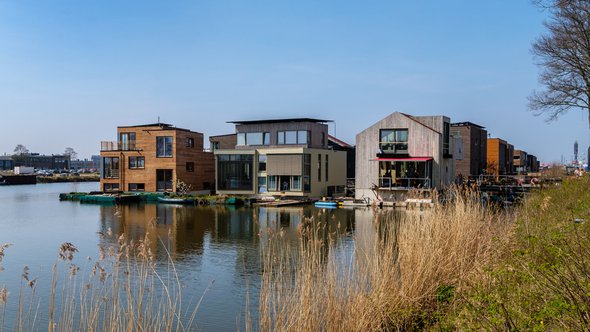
{"points": [[399, 279], [121, 291]]}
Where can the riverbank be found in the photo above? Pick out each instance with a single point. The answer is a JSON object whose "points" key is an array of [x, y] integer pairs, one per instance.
{"points": [[542, 281], [457, 267], [68, 178]]}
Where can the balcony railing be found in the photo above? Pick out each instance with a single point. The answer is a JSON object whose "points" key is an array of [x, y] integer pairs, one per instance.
{"points": [[117, 146], [111, 173], [404, 183], [393, 147]]}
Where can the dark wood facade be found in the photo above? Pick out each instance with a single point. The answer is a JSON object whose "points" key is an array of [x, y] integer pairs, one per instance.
{"points": [[155, 159], [223, 142], [474, 139]]}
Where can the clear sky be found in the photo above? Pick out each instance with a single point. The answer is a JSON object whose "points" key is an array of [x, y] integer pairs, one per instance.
{"points": [[71, 71]]}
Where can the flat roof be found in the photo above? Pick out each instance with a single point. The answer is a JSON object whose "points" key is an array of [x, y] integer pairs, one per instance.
{"points": [[280, 121], [465, 124], [224, 135], [163, 126]]}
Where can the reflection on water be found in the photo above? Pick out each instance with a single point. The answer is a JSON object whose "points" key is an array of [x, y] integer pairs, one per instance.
{"points": [[207, 243]]}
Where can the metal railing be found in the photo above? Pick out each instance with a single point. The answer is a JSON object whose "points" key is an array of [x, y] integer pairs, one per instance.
{"points": [[393, 147], [111, 173], [117, 146], [390, 183]]}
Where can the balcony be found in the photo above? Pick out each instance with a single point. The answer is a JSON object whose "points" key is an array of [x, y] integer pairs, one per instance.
{"points": [[111, 173], [393, 147], [118, 146], [403, 183]]}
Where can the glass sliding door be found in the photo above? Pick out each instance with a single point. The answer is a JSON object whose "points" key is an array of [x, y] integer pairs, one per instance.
{"points": [[164, 180]]}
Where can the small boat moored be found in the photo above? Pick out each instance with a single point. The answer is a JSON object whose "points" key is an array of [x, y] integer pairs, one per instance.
{"points": [[176, 200], [326, 204]]}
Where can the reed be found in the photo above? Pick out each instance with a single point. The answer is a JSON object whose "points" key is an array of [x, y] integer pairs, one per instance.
{"points": [[401, 277], [119, 291]]}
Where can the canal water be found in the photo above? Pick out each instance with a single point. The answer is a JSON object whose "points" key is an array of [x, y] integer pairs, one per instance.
{"points": [[216, 249]]}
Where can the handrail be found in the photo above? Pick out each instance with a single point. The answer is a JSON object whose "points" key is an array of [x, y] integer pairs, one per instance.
{"points": [[387, 182]]}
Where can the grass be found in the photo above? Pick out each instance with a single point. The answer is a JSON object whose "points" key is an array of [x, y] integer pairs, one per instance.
{"points": [[543, 280], [121, 290], [401, 277]]}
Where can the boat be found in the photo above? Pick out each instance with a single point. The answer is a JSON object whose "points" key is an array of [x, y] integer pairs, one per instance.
{"points": [[326, 204], [176, 200]]}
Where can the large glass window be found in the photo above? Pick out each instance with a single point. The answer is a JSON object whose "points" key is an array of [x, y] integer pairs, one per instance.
{"points": [[393, 141], [257, 138], [293, 137], [319, 168], [307, 172], [327, 168], [136, 162], [235, 172], [164, 180], [414, 174], [272, 183], [127, 141], [164, 146], [111, 167]]}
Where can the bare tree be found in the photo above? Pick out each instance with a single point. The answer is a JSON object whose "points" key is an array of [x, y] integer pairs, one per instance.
{"points": [[71, 152], [563, 53], [21, 150]]}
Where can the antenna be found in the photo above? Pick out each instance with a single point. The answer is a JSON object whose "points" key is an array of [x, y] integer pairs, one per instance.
{"points": [[158, 120]]}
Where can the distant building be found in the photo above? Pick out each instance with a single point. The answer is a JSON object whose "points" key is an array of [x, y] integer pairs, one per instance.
{"points": [[532, 163], [338, 145], [499, 157], [281, 157], [79, 164], [38, 161], [6, 163], [520, 162], [403, 152], [153, 158], [474, 142]]}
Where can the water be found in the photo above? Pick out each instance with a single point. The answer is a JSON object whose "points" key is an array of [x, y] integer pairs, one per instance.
{"points": [[215, 249]]}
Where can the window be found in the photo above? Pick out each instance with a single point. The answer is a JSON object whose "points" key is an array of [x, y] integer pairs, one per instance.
{"points": [[272, 183], [241, 139], [256, 138], [137, 187], [127, 141], [262, 184], [136, 162], [446, 138], [261, 162], [296, 183], [293, 137], [327, 168], [393, 141], [307, 172], [164, 180], [323, 139], [111, 187], [164, 146], [319, 168], [110, 167], [190, 142], [235, 172], [190, 166]]}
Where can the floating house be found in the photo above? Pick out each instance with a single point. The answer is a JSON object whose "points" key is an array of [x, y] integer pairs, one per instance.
{"points": [[403, 152], [520, 162], [282, 157], [499, 157], [153, 157], [474, 140]]}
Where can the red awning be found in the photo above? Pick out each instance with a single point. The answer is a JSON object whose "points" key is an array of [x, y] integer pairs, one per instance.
{"points": [[404, 159]]}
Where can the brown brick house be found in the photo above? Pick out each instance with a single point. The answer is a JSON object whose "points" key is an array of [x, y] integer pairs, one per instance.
{"points": [[153, 157]]}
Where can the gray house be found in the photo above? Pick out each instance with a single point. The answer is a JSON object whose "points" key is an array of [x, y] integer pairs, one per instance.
{"points": [[403, 152]]}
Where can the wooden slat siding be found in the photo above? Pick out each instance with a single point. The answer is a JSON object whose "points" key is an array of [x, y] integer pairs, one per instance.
{"points": [[474, 150], [225, 141], [422, 142], [146, 145]]}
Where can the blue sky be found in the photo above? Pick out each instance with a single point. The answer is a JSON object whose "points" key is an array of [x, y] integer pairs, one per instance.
{"points": [[71, 71]]}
